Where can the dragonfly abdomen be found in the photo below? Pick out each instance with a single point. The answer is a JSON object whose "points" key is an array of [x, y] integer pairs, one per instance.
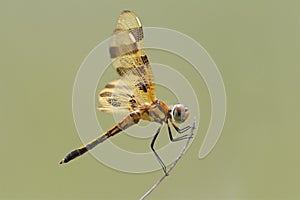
{"points": [[74, 154], [81, 150], [128, 121]]}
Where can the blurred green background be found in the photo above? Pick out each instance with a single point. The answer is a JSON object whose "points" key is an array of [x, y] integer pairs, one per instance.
{"points": [[255, 44]]}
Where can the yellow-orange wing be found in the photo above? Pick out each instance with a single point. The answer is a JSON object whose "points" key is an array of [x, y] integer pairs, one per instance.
{"points": [[130, 59], [135, 88], [117, 97]]}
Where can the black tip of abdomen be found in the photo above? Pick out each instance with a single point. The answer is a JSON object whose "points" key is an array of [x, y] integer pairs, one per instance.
{"points": [[74, 154]]}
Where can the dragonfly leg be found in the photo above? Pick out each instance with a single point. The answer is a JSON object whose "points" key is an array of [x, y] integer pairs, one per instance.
{"points": [[181, 130], [156, 155], [183, 137]]}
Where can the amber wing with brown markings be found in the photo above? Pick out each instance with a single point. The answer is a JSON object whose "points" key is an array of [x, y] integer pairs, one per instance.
{"points": [[131, 63], [118, 97]]}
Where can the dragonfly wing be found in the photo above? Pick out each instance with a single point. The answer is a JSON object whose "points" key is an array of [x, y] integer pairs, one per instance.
{"points": [[130, 59], [117, 97]]}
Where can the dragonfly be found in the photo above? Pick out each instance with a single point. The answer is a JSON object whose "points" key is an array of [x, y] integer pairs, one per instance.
{"points": [[134, 92]]}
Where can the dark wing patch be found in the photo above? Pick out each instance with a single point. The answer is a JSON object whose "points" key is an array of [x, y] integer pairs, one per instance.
{"points": [[129, 57], [117, 96]]}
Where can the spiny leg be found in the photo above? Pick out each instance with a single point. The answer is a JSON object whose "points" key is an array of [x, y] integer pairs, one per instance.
{"points": [[180, 130], [156, 155], [186, 136]]}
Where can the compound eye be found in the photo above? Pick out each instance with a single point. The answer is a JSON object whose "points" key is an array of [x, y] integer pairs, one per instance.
{"points": [[180, 113]]}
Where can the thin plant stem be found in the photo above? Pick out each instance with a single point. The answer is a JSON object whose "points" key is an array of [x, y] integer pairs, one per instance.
{"points": [[173, 164]]}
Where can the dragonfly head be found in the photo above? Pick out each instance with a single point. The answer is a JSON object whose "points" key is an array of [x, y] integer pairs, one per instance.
{"points": [[180, 113]]}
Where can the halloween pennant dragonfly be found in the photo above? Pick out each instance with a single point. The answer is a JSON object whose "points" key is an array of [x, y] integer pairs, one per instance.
{"points": [[134, 92]]}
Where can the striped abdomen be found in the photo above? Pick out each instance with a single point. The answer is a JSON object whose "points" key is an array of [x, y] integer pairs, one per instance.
{"points": [[128, 121]]}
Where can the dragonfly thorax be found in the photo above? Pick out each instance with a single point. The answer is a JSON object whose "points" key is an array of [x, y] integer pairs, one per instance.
{"points": [[179, 113], [156, 112]]}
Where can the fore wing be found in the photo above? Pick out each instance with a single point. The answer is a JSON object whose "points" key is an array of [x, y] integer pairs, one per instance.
{"points": [[130, 59]]}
